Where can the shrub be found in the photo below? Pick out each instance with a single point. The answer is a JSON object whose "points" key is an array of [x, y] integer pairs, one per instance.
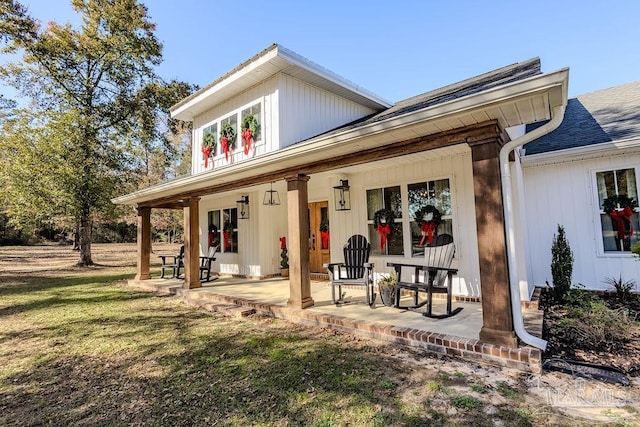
{"points": [[561, 265], [636, 249], [623, 288]]}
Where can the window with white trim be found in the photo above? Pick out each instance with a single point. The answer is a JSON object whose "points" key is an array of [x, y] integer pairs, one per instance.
{"points": [[235, 119], [385, 198], [618, 208], [223, 229], [255, 111], [435, 193]]}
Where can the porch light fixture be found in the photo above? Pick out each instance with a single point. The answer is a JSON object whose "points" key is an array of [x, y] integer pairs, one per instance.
{"points": [[342, 196], [243, 207], [271, 197]]}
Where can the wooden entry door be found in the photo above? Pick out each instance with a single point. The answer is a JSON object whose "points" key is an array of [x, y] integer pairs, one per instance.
{"points": [[318, 236]]}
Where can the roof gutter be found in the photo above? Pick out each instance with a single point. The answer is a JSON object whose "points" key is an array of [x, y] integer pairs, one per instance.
{"points": [[557, 114]]}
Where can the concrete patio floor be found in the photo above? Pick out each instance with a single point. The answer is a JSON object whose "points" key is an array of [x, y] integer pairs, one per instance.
{"points": [[455, 336]]}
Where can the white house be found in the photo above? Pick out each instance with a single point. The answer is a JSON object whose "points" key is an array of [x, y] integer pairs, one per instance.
{"points": [[315, 131], [568, 175]]}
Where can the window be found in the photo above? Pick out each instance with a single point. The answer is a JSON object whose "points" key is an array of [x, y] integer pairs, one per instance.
{"points": [[386, 198], [437, 194], [213, 130], [254, 110], [223, 227], [235, 120], [619, 225]]}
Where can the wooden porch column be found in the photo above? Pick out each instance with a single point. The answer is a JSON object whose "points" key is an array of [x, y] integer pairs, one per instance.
{"points": [[497, 321], [298, 219], [144, 243], [191, 244]]}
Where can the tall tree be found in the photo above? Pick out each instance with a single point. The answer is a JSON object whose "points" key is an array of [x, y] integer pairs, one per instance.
{"points": [[92, 82]]}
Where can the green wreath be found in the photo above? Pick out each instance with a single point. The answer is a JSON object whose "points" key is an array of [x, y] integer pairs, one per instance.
{"points": [[436, 216], [250, 122], [611, 203], [209, 140], [386, 214], [228, 227], [227, 131]]}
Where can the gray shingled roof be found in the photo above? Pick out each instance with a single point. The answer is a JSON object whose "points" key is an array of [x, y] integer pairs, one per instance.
{"points": [[501, 76], [606, 115]]}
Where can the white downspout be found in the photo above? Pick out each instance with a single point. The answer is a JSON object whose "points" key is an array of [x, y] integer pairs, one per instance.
{"points": [[557, 114]]}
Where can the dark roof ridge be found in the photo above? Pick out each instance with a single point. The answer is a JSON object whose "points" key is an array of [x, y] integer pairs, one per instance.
{"points": [[518, 70]]}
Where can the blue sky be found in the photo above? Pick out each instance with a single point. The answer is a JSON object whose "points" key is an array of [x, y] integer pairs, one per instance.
{"points": [[396, 49]]}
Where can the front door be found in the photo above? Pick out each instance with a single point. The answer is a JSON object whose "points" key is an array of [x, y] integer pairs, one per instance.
{"points": [[318, 236]]}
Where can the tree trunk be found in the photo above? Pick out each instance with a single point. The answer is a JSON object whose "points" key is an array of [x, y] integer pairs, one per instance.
{"points": [[76, 237], [85, 240]]}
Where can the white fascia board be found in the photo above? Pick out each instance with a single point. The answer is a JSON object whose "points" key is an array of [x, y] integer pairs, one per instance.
{"points": [[181, 111], [328, 146], [582, 153]]}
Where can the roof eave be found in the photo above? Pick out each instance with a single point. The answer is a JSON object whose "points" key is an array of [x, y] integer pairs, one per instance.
{"points": [[191, 106], [554, 84]]}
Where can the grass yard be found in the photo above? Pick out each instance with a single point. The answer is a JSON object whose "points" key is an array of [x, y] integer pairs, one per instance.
{"points": [[78, 347]]}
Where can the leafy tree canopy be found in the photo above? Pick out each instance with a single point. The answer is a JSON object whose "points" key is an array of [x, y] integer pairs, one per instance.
{"points": [[96, 105]]}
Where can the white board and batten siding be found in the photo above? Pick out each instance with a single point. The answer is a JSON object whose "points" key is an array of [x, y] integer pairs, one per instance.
{"points": [[458, 170], [307, 111], [565, 193]]}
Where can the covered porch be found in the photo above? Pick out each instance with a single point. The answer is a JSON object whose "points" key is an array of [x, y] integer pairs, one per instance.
{"points": [[459, 139], [455, 336]]}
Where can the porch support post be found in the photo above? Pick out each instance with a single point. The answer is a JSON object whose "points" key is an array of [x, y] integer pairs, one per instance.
{"points": [[298, 219], [191, 244], [497, 320], [144, 243]]}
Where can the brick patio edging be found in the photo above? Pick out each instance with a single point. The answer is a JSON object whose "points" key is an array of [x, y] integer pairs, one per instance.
{"points": [[527, 359]]}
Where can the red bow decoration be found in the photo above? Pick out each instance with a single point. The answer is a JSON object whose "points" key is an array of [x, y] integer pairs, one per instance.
{"points": [[224, 141], [206, 152], [428, 230], [383, 231], [621, 219], [227, 240], [247, 135], [283, 242], [324, 237]]}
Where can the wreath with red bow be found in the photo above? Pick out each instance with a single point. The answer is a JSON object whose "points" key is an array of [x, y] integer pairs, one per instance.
{"points": [[249, 128], [208, 147], [227, 139], [382, 221], [428, 227], [620, 209]]}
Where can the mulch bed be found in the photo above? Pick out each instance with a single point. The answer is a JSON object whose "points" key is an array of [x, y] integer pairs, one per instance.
{"points": [[622, 354]]}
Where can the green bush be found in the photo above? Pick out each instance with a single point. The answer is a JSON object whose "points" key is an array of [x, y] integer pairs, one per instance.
{"points": [[636, 249], [561, 265], [623, 288]]}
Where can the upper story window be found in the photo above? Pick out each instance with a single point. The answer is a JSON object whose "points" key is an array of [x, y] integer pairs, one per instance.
{"points": [[432, 201], [231, 127], [223, 229], [210, 137], [618, 204], [391, 199], [255, 112]]}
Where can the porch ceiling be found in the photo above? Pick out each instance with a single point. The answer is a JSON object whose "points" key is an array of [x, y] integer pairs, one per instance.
{"points": [[437, 126]]}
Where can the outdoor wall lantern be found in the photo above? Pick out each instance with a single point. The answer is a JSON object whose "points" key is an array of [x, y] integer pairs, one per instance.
{"points": [[342, 196], [271, 197], [243, 207]]}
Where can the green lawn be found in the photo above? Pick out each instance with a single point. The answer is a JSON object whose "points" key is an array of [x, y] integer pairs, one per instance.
{"points": [[78, 347]]}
